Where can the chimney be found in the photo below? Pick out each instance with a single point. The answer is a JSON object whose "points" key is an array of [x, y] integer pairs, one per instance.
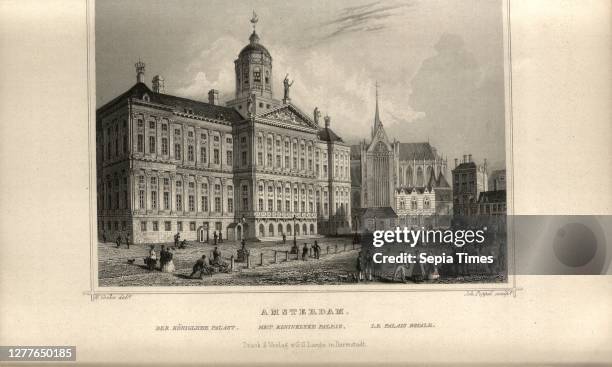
{"points": [[469, 158], [456, 161], [464, 158], [213, 97], [140, 71], [327, 121], [158, 84]]}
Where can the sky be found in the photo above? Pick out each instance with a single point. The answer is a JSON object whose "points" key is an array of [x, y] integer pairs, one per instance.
{"points": [[439, 64]]}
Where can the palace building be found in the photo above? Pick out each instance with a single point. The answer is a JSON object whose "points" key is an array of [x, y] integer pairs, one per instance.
{"points": [[398, 184], [257, 167]]}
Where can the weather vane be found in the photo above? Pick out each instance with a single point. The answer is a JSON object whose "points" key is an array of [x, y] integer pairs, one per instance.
{"points": [[254, 20]]}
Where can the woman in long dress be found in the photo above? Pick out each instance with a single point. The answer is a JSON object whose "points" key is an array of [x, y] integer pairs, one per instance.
{"points": [[169, 264]]}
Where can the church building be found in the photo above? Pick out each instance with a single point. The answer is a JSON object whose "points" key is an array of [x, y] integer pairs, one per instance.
{"points": [[257, 167], [397, 184]]}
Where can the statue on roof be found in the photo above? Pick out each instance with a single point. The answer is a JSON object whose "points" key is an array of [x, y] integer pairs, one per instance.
{"points": [[287, 85], [317, 115]]}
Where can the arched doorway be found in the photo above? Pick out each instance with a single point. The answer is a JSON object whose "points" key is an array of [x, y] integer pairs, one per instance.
{"points": [[297, 229], [201, 234], [289, 229], [304, 231], [239, 232], [262, 231], [271, 230], [312, 229], [280, 229]]}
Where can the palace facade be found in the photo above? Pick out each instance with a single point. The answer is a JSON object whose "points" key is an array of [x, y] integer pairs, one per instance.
{"points": [[257, 167]]}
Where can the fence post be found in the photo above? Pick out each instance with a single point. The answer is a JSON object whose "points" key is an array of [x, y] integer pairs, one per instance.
{"points": [[248, 261], [275, 257], [261, 259], [232, 263]]}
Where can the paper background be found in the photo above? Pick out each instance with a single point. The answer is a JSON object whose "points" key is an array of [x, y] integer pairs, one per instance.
{"points": [[561, 138]]}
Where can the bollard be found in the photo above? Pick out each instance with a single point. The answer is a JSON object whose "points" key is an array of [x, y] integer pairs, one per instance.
{"points": [[232, 263], [248, 261], [261, 259], [286, 255], [276, 257]]}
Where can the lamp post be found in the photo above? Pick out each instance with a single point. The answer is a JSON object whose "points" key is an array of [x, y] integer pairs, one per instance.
{"points": [[375, 223]]}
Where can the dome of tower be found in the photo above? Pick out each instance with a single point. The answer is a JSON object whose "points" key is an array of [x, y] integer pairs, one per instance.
{"points": [[254, 46]]}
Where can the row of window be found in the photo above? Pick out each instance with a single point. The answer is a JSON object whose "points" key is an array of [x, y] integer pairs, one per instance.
{"points": [[414, 203]]}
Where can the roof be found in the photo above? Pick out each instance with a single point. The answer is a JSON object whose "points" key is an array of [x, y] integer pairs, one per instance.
{"points": [[254, 46], [438, 182], [466, 165], [416, 151], [495, 196], [381, 212], [327, 134], [180, 104]]}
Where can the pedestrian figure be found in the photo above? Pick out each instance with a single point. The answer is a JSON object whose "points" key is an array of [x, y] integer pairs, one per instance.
{"points": [[151, 261], [118, 241], [162, 257], [284, 238], [215, 238], [316, 249], [369, 264], [359, 266], [127, 240], [305, 252], [220, 237], [216, 256], [168, 263], [200, 265], [103, 236], [177, 237]]}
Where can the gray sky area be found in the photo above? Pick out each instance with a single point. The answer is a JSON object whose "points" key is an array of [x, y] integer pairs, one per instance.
{"points": [[439, 64]]}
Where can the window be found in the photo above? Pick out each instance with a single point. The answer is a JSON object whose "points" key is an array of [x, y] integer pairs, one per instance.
{"points": [[413, 203], [257, 76], [177, 131], [302, 164], [287, 205], [177, 151], [261, 205], [143, 226], [216, 138], [151, 144], [139, 144], [204, 203], [190, 157], [179, 202], [259, 159], [203, 155], [167, 226], [244, 158], [278, 161], [164, 127], [123, 225], [216, 156], [230, 158], [155, 226], [218, 204], [230, 205], [228, 140], [191, 203], [191, 185], [140, 123], [164, 146], [287, 161], [245, 204], [190, 134], [179, 226], [151, 124], [141, 199], [166, 200], [270, 205], [192, 226], [153, 199], [426, 203]]}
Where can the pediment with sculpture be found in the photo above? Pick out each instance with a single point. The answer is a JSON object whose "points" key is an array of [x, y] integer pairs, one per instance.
{"points": [[288, 114]]}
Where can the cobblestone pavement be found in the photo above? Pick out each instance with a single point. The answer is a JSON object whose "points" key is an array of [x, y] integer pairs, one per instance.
{"points": [[335, 265]]}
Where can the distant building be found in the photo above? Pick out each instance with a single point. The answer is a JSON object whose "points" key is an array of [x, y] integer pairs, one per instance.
{"points": [[469, 180], [407, 180], [491, 203], [497, 180]]}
